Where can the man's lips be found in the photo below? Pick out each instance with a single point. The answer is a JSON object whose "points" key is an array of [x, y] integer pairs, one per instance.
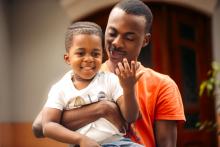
{"points": [[116, 53]]}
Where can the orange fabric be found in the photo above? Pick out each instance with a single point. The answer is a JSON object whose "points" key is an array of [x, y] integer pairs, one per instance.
{"points": [[158, 99]]}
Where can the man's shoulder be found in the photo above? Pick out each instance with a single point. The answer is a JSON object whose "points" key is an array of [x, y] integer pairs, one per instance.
{"points": [[150, 73], [155, 77]]}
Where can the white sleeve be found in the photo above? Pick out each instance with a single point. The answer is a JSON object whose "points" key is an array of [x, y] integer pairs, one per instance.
{"points": [[115, 89], [55, 98]]}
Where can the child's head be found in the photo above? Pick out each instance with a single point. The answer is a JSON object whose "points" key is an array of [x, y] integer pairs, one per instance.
{"points": [[82, 27], [84, 44]]}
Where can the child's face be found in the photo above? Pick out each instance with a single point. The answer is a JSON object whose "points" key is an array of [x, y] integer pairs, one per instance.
{"points": [[85, 56]]}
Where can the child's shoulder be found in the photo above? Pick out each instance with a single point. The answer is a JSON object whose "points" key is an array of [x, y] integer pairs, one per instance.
{"points": [[106, 74], [64, 80]]}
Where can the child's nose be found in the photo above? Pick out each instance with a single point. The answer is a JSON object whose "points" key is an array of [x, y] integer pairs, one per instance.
{"points": [[88, 58]]}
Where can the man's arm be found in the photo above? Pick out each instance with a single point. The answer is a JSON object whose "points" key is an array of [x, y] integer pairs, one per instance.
{"points": [[52, 129], [37, 126], [166, 133], [77, 118]]}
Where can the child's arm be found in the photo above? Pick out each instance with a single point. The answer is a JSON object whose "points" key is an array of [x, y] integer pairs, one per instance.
{"points": [[52, 129], [128, 77]]}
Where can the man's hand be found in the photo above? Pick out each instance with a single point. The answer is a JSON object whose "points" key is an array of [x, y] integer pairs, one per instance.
{"points": [[113, 114]]}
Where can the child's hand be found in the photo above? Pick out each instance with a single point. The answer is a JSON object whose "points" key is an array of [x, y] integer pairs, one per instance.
{"points": [[128, 74], [87, 142]]}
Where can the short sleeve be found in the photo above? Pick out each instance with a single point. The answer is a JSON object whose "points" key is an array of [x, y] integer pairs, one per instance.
{"points": [[55, 98], [169, 104]]}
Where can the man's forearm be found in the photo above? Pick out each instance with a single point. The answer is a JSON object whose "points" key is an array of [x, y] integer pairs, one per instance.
{"points": [[72, 119], [79, 117]]}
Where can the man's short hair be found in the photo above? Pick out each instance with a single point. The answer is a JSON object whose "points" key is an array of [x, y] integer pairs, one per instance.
{"points": [[137, 7]]}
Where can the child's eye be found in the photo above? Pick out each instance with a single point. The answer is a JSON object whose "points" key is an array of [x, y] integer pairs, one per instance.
{"points": [[80, 53], [96, 54]]}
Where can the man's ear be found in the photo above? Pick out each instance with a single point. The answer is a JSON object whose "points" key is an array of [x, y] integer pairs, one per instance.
{"points": [[146, 39], [66, 58]]}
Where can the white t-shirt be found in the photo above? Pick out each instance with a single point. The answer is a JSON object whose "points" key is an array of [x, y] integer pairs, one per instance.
{"points": [[64, 96]]}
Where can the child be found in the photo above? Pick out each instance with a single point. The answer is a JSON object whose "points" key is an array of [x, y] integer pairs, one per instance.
{"points": [[85, 84]]}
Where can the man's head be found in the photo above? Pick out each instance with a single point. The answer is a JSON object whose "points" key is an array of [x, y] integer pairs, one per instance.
{"points": [[137, 7], [127, 30], [84, 44]]}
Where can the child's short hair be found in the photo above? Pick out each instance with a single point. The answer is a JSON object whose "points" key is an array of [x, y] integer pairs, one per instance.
{"points": [[82, 27]]}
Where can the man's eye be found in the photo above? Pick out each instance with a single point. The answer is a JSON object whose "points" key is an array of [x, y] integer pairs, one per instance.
{"points": [[112, 33], [130, 38]]}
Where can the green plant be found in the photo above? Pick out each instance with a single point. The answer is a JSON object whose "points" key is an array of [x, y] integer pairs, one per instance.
{"points": [[212, 82], [211, 86]]}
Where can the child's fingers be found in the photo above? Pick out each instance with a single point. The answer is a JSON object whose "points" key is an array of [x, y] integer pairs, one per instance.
{"points": [[133, 66], [120, 67], [117, 72], [126, 65]]}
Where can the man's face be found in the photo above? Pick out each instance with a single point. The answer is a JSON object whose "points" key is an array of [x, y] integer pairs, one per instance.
{"points": [[125, 36]]}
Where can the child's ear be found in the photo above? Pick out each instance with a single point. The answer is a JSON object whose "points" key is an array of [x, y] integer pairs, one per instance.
{"points": [[66, 58]]}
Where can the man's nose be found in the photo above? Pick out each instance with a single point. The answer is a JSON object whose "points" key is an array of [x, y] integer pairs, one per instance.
{"points": [[118, 42]]}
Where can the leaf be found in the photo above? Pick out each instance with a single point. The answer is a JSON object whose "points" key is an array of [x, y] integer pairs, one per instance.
{"points": [[215, 66], [209, 88], [198, 124], [212, 80], [202, 88]]}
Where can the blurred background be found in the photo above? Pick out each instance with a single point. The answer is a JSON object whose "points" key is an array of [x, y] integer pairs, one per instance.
{"points": [[185, 40]]}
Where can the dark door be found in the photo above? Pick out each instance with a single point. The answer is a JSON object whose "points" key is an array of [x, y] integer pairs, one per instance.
{"points": [[181, 48], [191, 58]]}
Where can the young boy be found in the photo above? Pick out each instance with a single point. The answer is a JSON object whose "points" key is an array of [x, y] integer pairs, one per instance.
{"points": [[84, 84]]}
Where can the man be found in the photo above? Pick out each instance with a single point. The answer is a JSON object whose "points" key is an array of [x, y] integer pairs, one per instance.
{"points": [[158, 97]]}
